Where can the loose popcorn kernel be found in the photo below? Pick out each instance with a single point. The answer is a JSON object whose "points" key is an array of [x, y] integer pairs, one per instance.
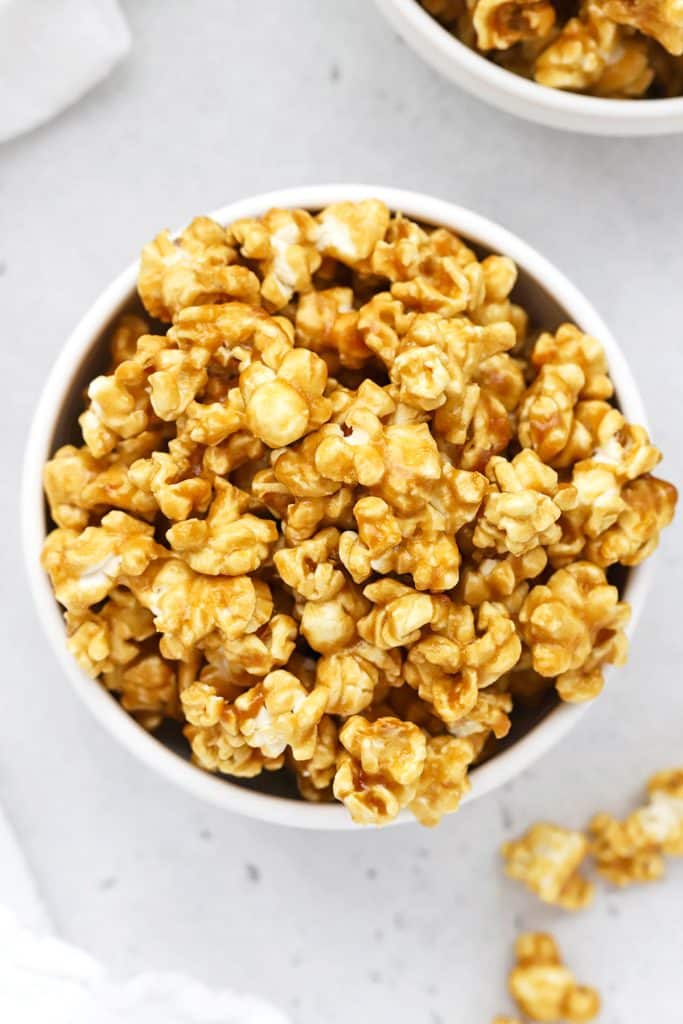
{"points": [[443, 781], [573, 626], [279, 713], [523, 505], [499, 24], [281, 243], [547, 860], [543, 988], [230, 541], [350, 231], [349, 482]]}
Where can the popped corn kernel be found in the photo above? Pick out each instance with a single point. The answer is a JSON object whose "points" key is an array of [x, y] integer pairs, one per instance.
{"points": [[500, 24], [279, 713], [547, 860], [573, 626], [282, 244], [443, 781], [543, 988]]}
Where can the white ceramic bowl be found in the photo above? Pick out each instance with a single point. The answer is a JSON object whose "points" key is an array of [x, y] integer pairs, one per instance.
{"points": [[550, 298], [517, 95]]}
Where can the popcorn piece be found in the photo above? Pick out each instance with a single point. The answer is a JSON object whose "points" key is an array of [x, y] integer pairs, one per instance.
{"points": [[310, 569], [326, 321], [331, 625], [124, 339], [379, 774], [354, 674], [147, 688], [570, 345], [443, 781], [350, 231], [546, 415], [169, 477], [188, 607], [649, 507], [573, 626], [279, 713], [495, 579], [660, 19], [84, 568], [547, 860], [215, 737], [543, 988], [499, 24], [195, 269], [281, 406], [267, 648], [112, 636], [398, 614], [281, 243], [230, 541], [523, 505], [315, 775], [632, 850]]}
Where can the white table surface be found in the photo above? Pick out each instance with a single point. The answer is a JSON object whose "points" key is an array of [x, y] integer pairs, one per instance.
{"points": [[222, 99]]}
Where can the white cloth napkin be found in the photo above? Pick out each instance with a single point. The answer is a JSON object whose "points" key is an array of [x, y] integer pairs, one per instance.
{"points": [[45, 979], [51, 53]]}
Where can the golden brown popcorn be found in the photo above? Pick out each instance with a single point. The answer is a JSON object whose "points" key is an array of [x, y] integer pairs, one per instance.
{"points": [[649, 507], [573, 626], [379, 774], [84, 568], [443, 781], [310, 568], [314, 776], [281, 242], [350, 231], [592, 52], [170, 478], [354, 674], [112, 636], [283, 404], [523, 505], [547, 860], [279, 713], [570, 345], [197, 268], [397, 615], [660, 19], [230, 541], [331, 625], [496, 579], [546, 421], [281, 525], [326, 321], [147, 689], [188, 607], [543, 988], [499, 24]]}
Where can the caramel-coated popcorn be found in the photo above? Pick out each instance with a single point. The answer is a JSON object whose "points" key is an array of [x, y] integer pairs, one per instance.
{"points": [[543, 988], [616, 49], [348, 510], [547, 859]]}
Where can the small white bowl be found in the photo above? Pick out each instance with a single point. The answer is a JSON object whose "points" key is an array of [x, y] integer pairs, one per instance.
{"points": [[549, 296], [517, 95]]}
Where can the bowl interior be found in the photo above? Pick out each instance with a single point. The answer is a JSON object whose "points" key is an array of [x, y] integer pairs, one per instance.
{"points": [[545, 310]]}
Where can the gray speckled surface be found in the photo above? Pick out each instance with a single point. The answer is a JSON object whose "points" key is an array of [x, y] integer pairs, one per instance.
{"points": [[218, 100]]}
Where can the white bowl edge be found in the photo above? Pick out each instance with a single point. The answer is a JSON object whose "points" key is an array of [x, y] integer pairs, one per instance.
{"points": [[220, 791], [555, 108]]}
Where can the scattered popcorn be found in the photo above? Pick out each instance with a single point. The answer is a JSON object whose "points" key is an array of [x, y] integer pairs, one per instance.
{"points": [[543, 988], [348, 509], [547, 860]]}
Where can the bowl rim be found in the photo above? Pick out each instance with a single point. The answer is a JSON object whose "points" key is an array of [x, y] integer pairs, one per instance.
{"points": [[220, 791], [525, 92]]}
